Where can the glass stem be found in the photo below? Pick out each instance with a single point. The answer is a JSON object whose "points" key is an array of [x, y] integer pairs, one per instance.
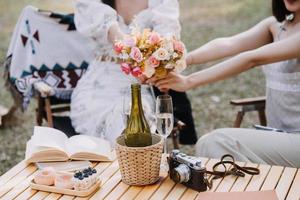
{"points": [[165, 145]]}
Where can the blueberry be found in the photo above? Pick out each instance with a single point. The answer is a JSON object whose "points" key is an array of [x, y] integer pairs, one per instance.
{"points": [[85, 171], [85, 175], [80, 178], [94, 171], [90, 173], [89, 169]]}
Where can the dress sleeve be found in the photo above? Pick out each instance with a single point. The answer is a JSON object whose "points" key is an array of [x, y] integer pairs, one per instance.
{"points": [[93, 19], [165, 18]]}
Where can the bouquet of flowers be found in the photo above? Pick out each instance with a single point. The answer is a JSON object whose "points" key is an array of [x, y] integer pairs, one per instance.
{"points": [[148, 53]]}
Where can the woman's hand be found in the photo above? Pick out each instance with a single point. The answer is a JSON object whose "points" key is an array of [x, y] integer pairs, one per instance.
{"points": [[142, 78], [115, 33], [172, 81]]}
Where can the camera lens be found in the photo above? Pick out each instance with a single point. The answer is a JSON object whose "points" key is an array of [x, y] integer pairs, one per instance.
{"points": [[182, 173]]}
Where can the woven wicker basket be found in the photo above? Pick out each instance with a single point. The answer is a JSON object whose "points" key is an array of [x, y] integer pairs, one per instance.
{"points": [[139, 165]]}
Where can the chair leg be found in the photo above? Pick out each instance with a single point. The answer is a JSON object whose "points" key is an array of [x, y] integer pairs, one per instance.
{"points": [[39, 114], [174, 134], [48, 112], [262, 117], [239, 119]]}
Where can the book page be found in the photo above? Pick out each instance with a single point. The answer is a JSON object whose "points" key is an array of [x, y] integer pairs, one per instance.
{"points": [[93, 148], [49, 137], [65, 166], [37, 153]]}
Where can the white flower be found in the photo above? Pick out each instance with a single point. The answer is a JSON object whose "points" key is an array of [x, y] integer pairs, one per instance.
{"points": [[175, 55], [124, 56], [180, 66], [169, 66], [149, 71], [161, 54], [168, 45]]}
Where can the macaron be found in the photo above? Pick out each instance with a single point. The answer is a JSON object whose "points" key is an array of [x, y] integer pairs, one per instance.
{"points": [[64, 180], [45, 176]]}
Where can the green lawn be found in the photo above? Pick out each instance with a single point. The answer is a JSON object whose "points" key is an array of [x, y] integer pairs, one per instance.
{"points": [[202, 21]]}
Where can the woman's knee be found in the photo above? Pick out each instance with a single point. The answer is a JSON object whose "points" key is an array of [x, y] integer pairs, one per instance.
{"points": [[208, 143]]}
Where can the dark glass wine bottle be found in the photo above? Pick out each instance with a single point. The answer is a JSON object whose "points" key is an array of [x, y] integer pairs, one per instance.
{"points": [[137, 132]]}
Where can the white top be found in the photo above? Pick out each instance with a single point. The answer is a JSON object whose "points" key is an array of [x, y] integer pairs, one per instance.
{"points": [[93, 19]]}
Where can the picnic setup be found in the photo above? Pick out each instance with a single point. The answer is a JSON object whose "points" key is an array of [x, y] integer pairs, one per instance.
{"points": [[110, 84]]}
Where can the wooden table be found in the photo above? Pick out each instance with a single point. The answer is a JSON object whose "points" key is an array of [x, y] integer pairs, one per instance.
{"points": [[286, 181]]}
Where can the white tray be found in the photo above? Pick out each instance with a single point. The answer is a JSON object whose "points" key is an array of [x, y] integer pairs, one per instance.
{"points": [[54, 189]]}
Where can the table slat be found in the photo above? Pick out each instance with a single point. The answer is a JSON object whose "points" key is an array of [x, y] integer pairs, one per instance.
{"points": [[107, 187], [285, 182], [67, 197], [12, 172], [26, 194], [257, 181], [242, 182], [176, 192], [17, 179], [18, 189], [228, 181], [147, 192], [53, 196], [294, 193], [164, 189], [189, 194], [132, 192], [119, 190], [272, 178], [39, 195]]}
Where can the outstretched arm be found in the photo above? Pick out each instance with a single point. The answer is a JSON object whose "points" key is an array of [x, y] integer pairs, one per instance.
{"points": [[285, 49], [253, 38]]}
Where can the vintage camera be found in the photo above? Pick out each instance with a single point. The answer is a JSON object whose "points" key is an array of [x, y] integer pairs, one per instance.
{"points": [[187, 170]]}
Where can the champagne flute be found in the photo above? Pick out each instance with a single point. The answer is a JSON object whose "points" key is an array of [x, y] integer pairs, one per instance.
{"points": [[164, 119]]}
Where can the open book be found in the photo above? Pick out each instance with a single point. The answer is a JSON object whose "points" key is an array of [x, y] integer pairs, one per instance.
{"points": [[49, 144]]}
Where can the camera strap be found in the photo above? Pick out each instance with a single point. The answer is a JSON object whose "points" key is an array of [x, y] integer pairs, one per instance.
{"points": [[229, 168]]}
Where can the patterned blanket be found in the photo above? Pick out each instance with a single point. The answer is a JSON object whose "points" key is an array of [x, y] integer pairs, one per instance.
{"points": [[45, 47]]}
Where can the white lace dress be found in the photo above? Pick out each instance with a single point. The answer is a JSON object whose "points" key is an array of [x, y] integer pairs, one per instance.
{"points": [[97, 101]]}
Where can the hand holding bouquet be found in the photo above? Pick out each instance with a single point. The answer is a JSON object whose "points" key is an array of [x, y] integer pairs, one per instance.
{"points": [[150, 54]]}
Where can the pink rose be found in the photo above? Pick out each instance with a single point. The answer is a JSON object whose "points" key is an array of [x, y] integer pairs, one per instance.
{"points": [[118, 47], [129, 42], [153, 61], [136, 54], [136, 72], [125, 68], [178, 46], [154, 38]]}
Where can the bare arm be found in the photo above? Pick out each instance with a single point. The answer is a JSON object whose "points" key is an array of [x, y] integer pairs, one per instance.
{"points": [[286, 49], [115, 33], [220, 48]]}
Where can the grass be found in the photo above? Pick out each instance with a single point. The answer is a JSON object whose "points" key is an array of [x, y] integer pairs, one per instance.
{"points": [[202, 21]]}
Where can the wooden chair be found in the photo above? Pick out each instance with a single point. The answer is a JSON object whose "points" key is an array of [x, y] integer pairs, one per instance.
{"points": [[249, 105]]}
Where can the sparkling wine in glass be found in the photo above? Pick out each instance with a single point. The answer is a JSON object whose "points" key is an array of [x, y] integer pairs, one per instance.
{"points": [[164, 119]]}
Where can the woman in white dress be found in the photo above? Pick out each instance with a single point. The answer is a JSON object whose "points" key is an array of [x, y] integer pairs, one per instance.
{"points": [[97, 101], [274, 43]]}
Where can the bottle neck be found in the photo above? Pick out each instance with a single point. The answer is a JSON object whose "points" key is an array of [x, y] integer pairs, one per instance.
{"points": [[136, 98]]}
